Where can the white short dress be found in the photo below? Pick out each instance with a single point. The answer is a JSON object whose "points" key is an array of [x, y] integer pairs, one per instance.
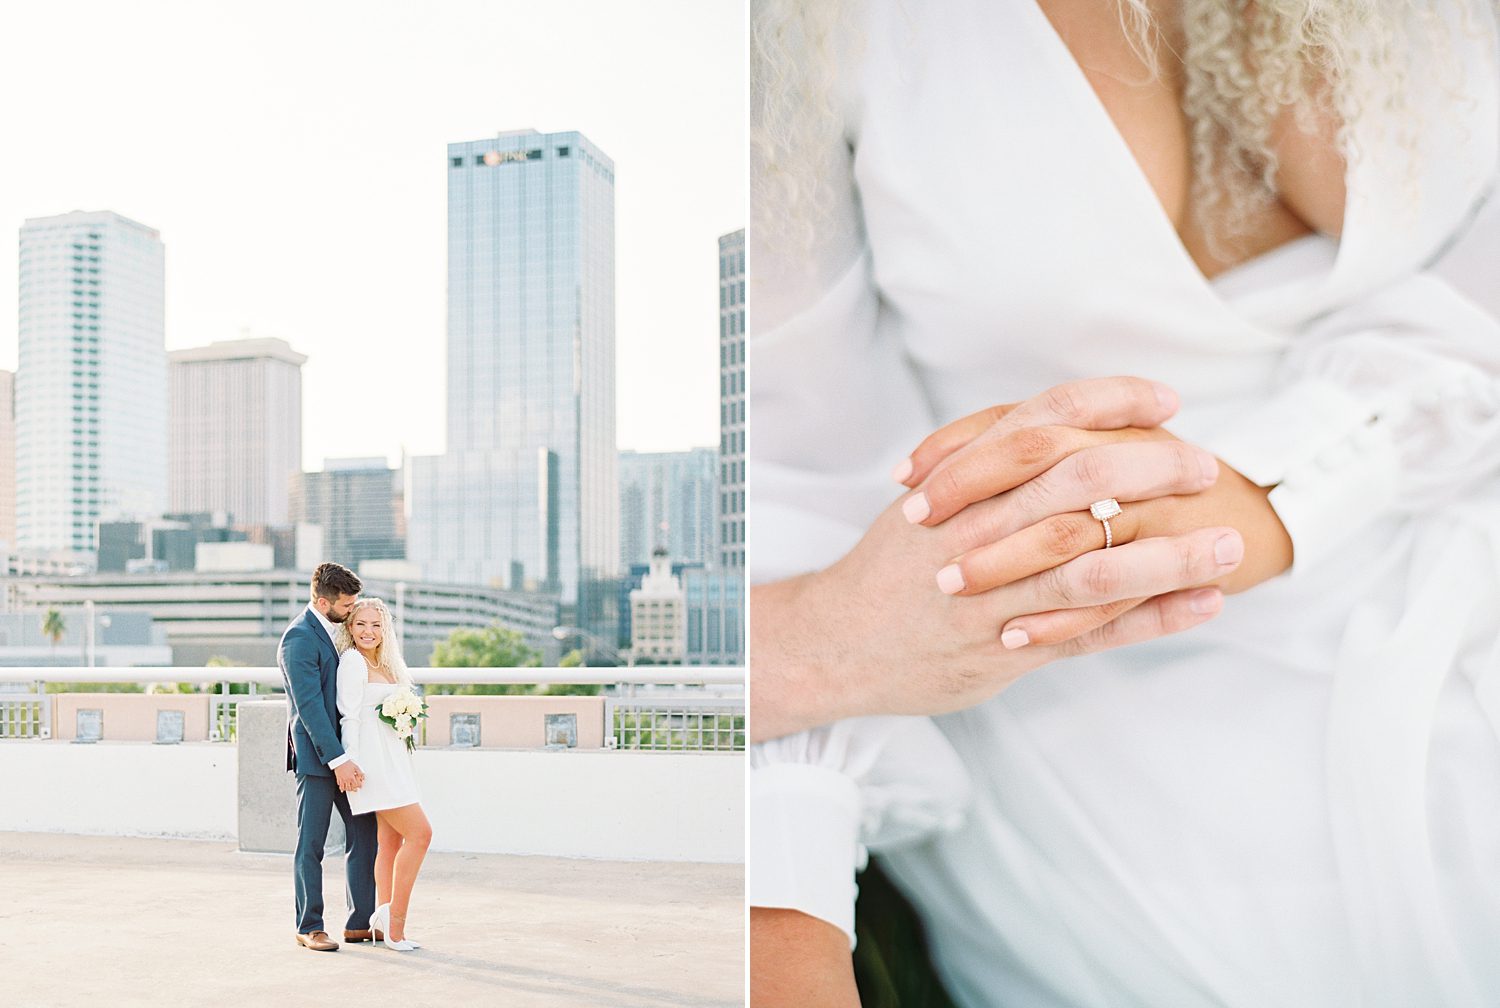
{"points": [[390, 778]]}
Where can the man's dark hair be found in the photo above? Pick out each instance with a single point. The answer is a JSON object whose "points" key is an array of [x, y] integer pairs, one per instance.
{"points": [[331, 580]]}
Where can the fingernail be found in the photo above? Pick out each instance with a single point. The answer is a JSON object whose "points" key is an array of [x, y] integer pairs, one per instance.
{"points": [[1210, 467], [1205, 602], [950, 579], [902, 472], [1166, 397], [1015, 638], [916, 508], [1229, 548]]}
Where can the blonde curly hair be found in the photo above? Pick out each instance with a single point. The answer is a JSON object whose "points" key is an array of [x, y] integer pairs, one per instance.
{"points": [[1243, 65], [388, 656]]}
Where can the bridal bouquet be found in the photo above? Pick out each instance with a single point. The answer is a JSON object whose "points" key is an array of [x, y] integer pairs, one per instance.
{"points": [[401, 710]]}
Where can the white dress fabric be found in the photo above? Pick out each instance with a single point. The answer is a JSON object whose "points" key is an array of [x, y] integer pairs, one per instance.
{"points": [[1295, 804], [390, 777]]}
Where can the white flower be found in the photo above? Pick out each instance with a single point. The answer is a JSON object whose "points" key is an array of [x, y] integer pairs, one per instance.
{"points": [[388, 706], [403, 731]]}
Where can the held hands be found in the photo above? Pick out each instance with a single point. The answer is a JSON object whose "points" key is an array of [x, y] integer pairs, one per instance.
{"points": [[873, 635], [1020, 495], [349, 776]]}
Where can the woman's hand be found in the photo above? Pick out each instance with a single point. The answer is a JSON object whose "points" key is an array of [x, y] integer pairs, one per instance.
{"points": [[871, 634], [1018, 493]]}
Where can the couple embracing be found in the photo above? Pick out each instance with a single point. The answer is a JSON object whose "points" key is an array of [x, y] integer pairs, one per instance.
{"points": [[351, 750]]}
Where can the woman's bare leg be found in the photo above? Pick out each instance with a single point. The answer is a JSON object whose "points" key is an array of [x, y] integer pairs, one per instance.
{"points": [[416, 835], [385, 859]]}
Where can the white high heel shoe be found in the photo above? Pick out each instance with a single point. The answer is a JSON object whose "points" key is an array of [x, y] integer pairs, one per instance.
{"points": [[380, 920]]}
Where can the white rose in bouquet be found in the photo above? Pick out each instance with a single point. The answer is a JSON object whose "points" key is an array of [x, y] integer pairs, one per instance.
{"points": [[401, 710]]}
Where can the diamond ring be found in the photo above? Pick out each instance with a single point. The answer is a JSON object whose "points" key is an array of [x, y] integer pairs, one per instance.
{"points": [[1105, 510]]}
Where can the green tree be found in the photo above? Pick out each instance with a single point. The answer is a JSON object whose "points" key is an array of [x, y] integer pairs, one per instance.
{"points": [[54, 626], [498, 647], [492, 647]]}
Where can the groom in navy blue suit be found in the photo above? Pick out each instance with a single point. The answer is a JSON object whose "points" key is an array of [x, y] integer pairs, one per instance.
{"points": [[309, 666]]}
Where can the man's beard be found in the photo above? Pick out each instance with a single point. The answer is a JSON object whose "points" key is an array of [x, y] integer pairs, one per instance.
{"points": [[334, 617]]}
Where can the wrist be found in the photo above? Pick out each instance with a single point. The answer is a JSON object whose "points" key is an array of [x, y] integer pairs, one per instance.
{"points": [[792, 659]]}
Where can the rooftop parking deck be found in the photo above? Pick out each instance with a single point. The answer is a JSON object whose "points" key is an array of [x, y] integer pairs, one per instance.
{"points": [[117, 921]]}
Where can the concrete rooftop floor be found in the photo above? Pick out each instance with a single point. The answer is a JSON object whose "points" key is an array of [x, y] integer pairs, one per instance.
{"points": [[114, 921]]}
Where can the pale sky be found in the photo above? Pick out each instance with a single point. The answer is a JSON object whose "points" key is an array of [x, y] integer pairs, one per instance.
{"points": [[292, 155]]}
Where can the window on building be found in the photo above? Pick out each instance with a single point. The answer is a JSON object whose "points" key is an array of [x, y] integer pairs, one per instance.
{"points": [[562, 152], [458, 162]]}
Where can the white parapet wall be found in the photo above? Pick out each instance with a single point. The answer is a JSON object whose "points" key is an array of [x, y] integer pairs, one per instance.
{"points": [[599, 804], [119, 788]]}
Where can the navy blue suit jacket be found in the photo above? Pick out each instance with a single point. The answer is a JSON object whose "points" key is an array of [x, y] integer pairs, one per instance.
{"points": [[309, 669]]}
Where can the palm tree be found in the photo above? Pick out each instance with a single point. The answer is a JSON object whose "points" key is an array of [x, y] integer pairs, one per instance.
{"points": [[53, 626]]}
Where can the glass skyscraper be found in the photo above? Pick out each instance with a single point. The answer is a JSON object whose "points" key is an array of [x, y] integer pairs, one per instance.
{"points": [[91, 384], [667, 500], [525, 497]]}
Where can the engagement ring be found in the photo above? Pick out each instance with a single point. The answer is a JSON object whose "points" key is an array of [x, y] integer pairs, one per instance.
{"points": [[1105, 510]]}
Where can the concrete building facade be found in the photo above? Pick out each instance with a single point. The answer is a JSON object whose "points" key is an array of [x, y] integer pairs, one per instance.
{"points": [[658, 624], [91, 395], [360, 503], [235, 437]]}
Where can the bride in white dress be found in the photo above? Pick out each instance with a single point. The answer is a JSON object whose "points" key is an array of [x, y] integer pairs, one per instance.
{"points": [[371, 668], [1297, 803]]}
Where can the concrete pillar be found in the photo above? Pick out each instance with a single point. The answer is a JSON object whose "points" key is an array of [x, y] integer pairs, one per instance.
{"points": [[267, 792]]}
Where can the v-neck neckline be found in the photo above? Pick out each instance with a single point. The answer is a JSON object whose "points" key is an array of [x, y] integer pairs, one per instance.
{"points": [[1143, 194]]}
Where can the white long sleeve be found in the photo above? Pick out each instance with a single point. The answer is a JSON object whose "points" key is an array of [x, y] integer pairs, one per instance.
{"points": [[821, 799], [352, 676], [1391, 405]]}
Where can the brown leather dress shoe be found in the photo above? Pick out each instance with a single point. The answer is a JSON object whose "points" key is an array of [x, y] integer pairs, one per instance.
{"points": [[318, 941], [354, 937]]}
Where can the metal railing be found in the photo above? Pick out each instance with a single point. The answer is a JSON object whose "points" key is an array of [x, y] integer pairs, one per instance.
{"points": [[678, 723], [678, 720], [26, 715]]}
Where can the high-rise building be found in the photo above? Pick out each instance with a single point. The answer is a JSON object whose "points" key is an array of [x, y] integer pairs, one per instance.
{"points": [[525, 496], [7, 462], [667, 500], [715, 616], [360, 504], [235, 437], [732, 399], [91, 386]]}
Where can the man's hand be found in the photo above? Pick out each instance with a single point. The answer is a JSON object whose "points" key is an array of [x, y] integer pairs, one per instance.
{"points": [[349, 776]]}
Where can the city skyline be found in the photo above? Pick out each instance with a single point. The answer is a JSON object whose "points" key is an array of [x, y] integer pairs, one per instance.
{"points": [[274, 212]]}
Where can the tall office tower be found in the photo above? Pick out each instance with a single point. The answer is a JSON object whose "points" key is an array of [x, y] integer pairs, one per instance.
{"points": [[235, 437], [667, 500], [360, 505], [91, 388], [526, 495], [732, 399], [7, 462]]}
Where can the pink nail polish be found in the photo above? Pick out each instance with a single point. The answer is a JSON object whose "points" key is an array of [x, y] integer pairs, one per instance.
{"points": [[1205, 602], [916, 508], [1210, 467], [1229, 548], [902, 472], [1166, 397], [1015, 638], [951, 579]]}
